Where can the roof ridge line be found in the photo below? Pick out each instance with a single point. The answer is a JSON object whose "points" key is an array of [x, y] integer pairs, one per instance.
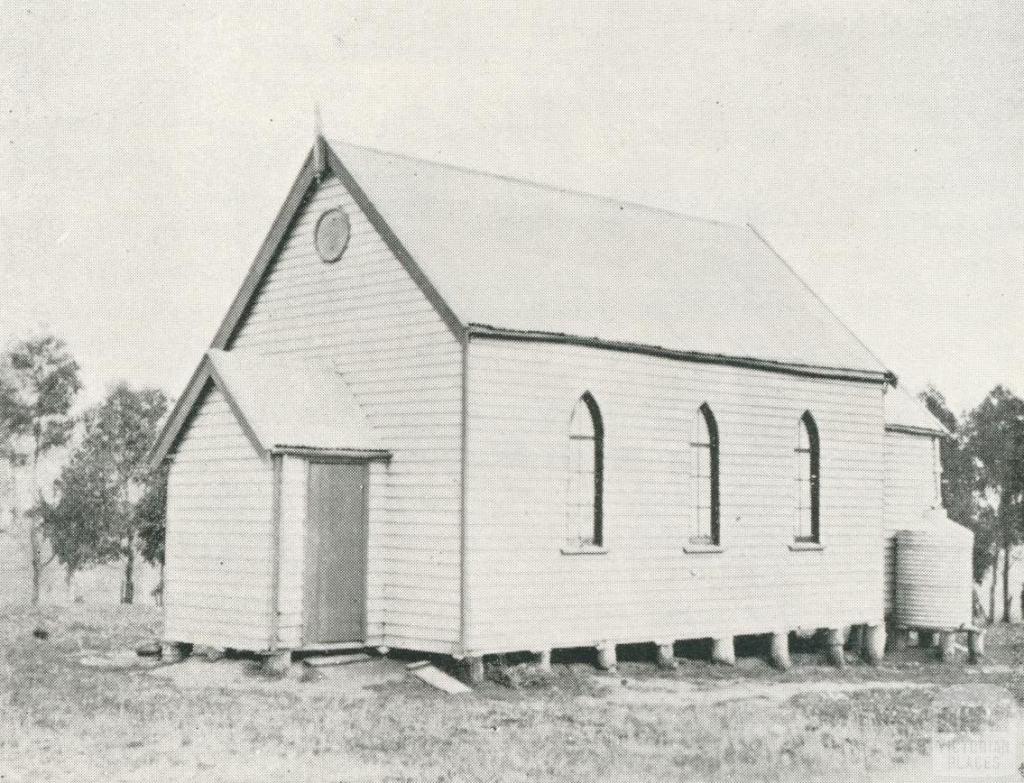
{"points": [[892, 376], [543, 185]]}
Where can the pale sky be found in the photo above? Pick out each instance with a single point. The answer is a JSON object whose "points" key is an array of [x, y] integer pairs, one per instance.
{"points": [[878, 146]]}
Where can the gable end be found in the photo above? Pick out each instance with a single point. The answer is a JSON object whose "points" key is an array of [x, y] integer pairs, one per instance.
{"points": [[307, 178]]}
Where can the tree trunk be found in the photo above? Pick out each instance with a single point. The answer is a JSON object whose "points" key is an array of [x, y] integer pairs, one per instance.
{"points": [[34, 533], [992, 587], [37, 562], [129, 571], [1007, 598]]}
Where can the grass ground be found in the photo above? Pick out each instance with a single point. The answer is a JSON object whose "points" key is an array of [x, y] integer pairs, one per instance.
{"points": [[63, 721]]}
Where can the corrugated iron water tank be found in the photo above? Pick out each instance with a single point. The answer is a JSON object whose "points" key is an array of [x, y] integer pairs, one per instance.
{"points": [[933, 574]]}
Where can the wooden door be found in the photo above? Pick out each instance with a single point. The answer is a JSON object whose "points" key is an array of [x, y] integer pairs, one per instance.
{"points": [[335, 575]]}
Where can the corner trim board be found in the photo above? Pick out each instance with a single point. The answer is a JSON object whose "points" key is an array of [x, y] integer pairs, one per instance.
{"points": [[464, 614], [277, 461]]}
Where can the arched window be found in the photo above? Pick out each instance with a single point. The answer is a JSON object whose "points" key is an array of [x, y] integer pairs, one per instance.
{"points": [[586, 465], [704, 447], [808, 480]]}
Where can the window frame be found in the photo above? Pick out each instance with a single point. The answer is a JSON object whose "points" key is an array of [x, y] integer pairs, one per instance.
{"points": [[808, 425], [597, 543], [710, 428]]}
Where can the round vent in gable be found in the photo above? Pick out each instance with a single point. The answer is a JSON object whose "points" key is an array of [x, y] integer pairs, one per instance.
{"points": [[331, 235]]}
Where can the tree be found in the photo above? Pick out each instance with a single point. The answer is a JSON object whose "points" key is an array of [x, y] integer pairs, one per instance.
{"points": [[8, 440], [151, 514], [958, 477], [41, 381], [105, 491], [152, 517], [11, 412], [69, 523], [994, 440]]}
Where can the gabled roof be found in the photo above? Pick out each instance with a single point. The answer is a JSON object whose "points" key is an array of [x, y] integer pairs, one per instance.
{"points": [[904, 413], [526, 259], [283, 406], [519, 260]]}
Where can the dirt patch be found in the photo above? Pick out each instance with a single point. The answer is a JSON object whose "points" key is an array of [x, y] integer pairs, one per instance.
{"points": [[681, 693]]}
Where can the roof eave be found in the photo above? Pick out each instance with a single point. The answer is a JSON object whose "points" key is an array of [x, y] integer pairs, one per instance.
{"points": [[268, 251], [700, 357], [206, 373], [179, 415]]}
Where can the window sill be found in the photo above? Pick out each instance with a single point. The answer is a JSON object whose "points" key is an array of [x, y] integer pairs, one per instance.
{"points": [[806, 546], [584, 550], [703, 549]]}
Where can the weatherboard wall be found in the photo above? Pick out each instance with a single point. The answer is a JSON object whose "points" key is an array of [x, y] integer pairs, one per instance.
{"points": [[219, 513], [366, 316], [525, 593], [911, 488]]}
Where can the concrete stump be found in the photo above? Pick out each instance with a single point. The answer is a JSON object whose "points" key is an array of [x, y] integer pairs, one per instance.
{"points": [[946, 646], [975, 646], [893, 636], [780, 650], [874, 643], [474, 669], [855, 639], [723, 651], [211, 654], [277, 662], [901, 638], [172, 652], [666, 656], [544, 660], [606, 656], [834, 652]]}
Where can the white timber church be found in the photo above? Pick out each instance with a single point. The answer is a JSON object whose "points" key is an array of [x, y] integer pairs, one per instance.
{"points": [[463, 414]]}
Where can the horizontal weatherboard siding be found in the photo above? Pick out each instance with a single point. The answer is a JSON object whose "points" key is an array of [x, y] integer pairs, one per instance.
{"points": [[911, 489], [365, 316], [525, 594], [219, 510]]}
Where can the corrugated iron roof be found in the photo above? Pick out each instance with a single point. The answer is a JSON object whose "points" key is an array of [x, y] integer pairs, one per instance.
{"points": [[536, 259], [290, 405], [903, 411]]}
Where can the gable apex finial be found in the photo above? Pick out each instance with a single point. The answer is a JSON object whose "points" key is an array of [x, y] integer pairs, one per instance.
{"points": [[319, 154]]}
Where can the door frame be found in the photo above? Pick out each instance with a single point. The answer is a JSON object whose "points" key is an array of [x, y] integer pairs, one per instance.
{"points": [[335, 460]]}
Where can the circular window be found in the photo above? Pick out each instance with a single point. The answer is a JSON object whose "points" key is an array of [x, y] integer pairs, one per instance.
{"points": [[331, 235]]}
